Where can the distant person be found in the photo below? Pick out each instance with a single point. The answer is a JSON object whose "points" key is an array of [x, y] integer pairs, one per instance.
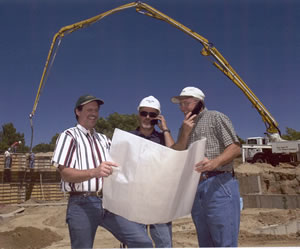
{"points": [[216, 208], [82, 158], [15, 145], [31, 160], [148, 116], [8, 159]]}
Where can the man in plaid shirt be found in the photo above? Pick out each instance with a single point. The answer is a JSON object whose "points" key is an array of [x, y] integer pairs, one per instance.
{"points": [[216, 208]]}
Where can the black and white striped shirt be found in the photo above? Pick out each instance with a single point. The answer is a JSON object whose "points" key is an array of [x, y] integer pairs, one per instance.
{"points": [[77, 148]]}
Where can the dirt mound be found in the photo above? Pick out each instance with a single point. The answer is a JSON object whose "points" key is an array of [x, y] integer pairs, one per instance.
{"points": [[270, 218], [53, 221], [254, 218], [268, 239], [282, 179], [5, 208], [28, 238]]}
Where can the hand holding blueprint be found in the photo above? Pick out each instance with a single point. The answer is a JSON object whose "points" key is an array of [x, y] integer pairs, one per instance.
{"points": [[153, 183]]}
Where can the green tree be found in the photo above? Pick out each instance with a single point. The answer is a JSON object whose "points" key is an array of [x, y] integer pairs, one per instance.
{"points": [[241, 140], [126, 122], [43, 147], [53, 141], [9, 135], [291, 134]]}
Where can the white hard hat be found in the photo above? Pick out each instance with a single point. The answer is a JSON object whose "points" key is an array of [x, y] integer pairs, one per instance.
{"points": [[189, 91], [150, 101]]}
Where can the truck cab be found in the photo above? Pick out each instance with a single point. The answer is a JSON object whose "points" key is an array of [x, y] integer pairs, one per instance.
{"points": [[253, 147], [261, 150]]}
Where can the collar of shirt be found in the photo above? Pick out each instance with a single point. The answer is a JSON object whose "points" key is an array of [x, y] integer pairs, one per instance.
{"points": [[153, 134], [201, 113], [85, 131]]}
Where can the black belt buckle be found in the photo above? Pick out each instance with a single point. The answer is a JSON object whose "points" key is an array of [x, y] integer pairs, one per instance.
{"points": [[204, 176], [98, 194], [87, 194]]}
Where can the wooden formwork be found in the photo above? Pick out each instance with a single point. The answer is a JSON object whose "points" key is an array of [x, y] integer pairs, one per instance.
{"points": [[11, 194], [20, 183], [15, 193], [47, 192], [20, 162]]}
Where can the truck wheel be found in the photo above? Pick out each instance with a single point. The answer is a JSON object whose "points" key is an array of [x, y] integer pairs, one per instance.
{"points": [[274, 160], [259, 158]]}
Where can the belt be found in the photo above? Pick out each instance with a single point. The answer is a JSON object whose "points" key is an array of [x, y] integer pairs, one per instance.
{"points": [[208, 174], [86, 194]]}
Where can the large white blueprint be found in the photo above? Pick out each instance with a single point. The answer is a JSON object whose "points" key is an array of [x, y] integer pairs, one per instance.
{"points": [[153, 183]]}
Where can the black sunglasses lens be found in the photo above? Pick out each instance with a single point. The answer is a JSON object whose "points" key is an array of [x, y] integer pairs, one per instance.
{"points": [[151, 114], [144, 114]]}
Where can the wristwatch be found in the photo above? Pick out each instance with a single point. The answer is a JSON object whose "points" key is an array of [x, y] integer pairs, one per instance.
{"points": [[166, 130]]}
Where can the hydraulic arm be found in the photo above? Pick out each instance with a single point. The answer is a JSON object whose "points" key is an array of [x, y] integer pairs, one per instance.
{"points": [[208, 50], [220, 62]]}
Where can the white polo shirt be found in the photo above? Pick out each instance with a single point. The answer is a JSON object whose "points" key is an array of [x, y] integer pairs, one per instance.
{"points": [[77, 148]]}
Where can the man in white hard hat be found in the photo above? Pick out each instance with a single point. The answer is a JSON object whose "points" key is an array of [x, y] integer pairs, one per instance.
{"points": [[149, 113], [216, 208]]}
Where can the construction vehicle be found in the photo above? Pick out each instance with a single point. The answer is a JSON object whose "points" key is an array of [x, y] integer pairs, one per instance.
{"points": [[262, 150], [208, 50]]}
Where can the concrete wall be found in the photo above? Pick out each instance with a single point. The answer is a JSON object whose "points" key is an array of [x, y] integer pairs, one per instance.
{"points": [[253, 197], [271, 201]]}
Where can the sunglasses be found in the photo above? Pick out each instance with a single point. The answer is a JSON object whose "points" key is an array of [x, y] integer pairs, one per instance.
{"points": [[151, 114]]}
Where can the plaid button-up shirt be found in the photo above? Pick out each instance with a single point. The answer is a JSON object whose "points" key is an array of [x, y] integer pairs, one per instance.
{"points": [[219, 131]]}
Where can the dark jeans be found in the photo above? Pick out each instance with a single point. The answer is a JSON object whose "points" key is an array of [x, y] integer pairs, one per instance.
{"points": [[85, 214]]}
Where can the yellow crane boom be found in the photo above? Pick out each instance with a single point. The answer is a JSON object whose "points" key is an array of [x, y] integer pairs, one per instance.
{"points": [[208, 50]]}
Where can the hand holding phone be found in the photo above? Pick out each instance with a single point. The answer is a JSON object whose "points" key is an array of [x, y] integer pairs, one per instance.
{"points": [[154, 121], [197, 108]]}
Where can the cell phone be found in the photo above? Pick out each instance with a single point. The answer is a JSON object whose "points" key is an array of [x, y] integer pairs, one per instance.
{"points": [[154, 121], [197, 108]]}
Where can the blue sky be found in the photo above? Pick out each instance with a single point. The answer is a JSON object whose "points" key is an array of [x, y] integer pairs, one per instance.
{"points": [[127, 56]]}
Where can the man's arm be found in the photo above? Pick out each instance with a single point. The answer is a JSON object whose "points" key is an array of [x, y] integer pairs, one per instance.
{"points": [[230, 152], [186, 128], [76, 176], [169, 141], [168, 138]]}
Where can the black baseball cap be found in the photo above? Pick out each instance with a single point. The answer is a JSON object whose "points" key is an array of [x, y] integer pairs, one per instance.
{"points": [[85, 99]]}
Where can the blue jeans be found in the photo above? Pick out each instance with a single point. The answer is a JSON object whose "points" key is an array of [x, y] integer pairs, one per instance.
{"points": [[8, 162], [85, 214], [162, 235], [216, 211]]}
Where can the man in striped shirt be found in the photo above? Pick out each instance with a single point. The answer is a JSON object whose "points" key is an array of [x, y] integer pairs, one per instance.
{"points": [[82, 158]]}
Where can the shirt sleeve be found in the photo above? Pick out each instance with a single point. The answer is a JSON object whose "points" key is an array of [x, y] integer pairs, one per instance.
{"points": [[225, 130], [64, 153]]}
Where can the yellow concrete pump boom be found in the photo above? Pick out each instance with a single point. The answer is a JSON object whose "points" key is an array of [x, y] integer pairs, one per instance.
{"points": [[208, 50]]}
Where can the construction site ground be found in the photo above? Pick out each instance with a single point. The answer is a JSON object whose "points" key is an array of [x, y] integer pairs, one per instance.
{"points": [[42, 225]]}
